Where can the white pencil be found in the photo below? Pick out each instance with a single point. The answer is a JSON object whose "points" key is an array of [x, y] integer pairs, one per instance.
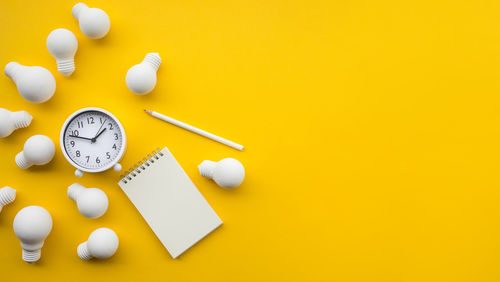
{"points": [[195, 130]]}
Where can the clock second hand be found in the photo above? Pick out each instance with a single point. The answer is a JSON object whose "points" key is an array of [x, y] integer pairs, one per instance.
{"points": [[99, 134], [98, 131]]}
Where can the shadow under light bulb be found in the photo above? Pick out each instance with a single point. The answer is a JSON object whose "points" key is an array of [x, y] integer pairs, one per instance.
{"points": [[93, 22], [32, 225], [62, 45], [102, 244], [38, 150], [227, 173], [7, 196], [10, 121], [141, 78], [35, 84], [91, 202]]}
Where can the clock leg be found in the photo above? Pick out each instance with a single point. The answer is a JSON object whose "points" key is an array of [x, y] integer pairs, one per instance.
{"points": [[78, 173], [117, 167]]}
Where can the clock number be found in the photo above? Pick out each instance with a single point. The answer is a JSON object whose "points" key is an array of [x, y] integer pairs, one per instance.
{"points": [[90, 120], [97, 160], [75, 132], [80, 124], [77, 153], [114, 146], [110, 126], [116, 136], [108, 156], [88, 158], [72, 143]]}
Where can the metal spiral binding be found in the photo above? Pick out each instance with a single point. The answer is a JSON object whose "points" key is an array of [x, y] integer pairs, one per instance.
{"points": [[141, 165]]}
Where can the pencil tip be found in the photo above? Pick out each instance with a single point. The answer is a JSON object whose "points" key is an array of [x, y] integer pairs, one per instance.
{"points": [[148, 111]]}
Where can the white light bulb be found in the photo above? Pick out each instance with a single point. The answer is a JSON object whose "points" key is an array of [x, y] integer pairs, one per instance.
{"points": [[141, 78], [7, 196], [93, 22], [91, 202], [38, 150], [102, 244], [35, 84], [62, 44], [32, 225], [10, 121], [227, 173]]}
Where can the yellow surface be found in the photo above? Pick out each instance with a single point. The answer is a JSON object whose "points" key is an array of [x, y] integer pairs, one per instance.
{"points": [[371, 131]]}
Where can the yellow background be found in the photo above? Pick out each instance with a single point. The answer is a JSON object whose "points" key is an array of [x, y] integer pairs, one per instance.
{"points": [[371, 133]]}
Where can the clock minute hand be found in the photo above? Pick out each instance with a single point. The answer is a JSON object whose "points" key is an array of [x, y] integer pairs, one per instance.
{"points": [[80, 137]]}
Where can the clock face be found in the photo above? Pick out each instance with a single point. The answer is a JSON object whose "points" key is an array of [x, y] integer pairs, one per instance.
{"points": [[93, 140]]}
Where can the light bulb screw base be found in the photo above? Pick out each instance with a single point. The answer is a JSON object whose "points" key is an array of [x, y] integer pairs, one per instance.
{"points": [[153, 59], [12, 69], [66, 66], [21, 161], [32, 256], [77, 9], [83, 251], [207, 169], [21, 119], [7, 196], [74, 190]]}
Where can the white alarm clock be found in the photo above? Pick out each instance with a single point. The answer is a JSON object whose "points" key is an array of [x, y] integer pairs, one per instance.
{"points": [[93, 140]]}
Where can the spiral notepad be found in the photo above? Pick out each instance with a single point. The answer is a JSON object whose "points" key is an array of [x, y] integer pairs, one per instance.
{"points": [[169, 202]]}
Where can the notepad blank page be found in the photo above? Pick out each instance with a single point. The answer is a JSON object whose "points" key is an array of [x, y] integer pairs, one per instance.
{"points": [[171, 204]]}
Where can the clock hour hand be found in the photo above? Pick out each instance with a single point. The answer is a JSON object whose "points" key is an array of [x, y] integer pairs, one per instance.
{"points": [[80, 137], [95, 138], [99, 131]]}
